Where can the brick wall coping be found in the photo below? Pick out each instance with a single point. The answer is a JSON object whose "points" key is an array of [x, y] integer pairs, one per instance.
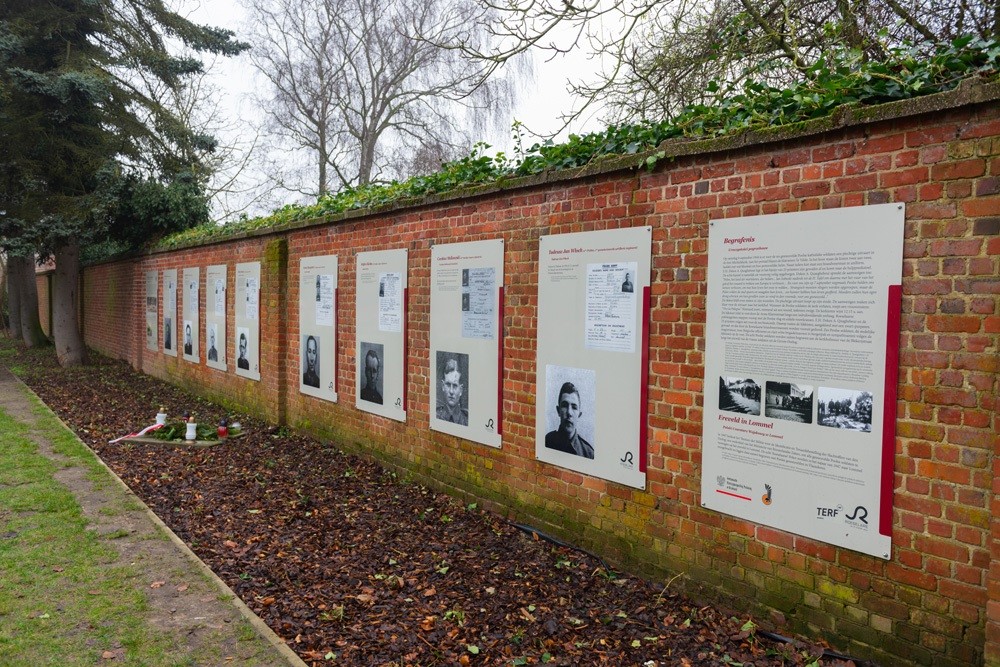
{"points": [[968, 92]]}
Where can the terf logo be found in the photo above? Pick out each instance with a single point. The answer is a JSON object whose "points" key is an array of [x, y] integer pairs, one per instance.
{"points": [[829, 512], [766, 498]]}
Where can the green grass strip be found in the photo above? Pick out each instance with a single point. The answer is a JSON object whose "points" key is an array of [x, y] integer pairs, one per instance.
{"points": [[64, 598]]}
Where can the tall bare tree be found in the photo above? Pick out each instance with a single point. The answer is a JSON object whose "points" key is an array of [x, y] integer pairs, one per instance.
{"points": [[658, 55], [362, 86]]}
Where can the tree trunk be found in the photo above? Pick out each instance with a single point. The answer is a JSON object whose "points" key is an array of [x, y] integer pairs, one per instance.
{"points": [[23, 271], [367, 162], [323, 158], [70, 350], [13, 299]]}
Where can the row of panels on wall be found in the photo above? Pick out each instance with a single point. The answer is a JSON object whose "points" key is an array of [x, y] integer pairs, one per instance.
{"points": [[593, 295], [800, 357]]}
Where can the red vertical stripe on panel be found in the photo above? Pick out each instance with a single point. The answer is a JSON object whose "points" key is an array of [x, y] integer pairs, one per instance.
{"points": [[644, 379], [406, 344], [336, 328], [892, 327], [500, 364]]}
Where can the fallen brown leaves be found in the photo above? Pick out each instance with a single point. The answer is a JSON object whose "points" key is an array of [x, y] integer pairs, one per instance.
{"points": [[353, 566]]}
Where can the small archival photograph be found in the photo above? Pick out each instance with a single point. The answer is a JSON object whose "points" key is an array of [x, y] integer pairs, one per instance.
{"points": [[242, 348], [789, 401], [845, 408], [453, 383], [213, 350], [370, 363], [571, 395], [310, 360], [739, 395]]}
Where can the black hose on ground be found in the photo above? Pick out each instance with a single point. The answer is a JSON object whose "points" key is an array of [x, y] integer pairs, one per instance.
{"points": [[827, 653], [559, 543]]}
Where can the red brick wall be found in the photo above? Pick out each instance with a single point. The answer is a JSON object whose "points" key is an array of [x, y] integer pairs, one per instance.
{"points": [[112, 296], [937, 600]]}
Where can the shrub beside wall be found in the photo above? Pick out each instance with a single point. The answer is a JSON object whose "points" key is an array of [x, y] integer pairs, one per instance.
{"points": [[936, 601]]}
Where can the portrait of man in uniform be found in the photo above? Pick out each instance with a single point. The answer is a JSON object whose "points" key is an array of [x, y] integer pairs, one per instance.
{"points": [[567, 437], [452, 401], [310, 375], [371, 363], [213, 352], [242, 361]]}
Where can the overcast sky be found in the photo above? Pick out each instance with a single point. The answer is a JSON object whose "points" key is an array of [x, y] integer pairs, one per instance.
{"points": [[542, 101]]}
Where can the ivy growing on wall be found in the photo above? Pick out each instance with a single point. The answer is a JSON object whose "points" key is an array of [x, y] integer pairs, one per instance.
{"points": [[844, 79]]}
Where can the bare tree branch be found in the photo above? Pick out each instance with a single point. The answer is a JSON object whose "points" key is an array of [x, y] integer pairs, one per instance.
{"points": [[659, 55], [350, 83]]}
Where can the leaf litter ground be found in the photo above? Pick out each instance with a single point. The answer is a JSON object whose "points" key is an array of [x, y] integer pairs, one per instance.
{"points": [[351, 564]]}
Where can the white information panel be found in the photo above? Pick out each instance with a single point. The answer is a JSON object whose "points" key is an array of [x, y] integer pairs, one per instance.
{"points": [[380, 328], [151, 311], [467, 340], [592, 371], [246, 338], [801, 358], [170, 312], [318, 327], [215, 316], [192, 283]]}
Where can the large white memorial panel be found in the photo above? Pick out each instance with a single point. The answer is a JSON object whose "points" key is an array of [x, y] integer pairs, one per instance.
{"points": [[318, 326], [215, 316], [247, 335], [466, 340], [592, 370], [192, 291], [380, 330], [170, 333], [801, 358], [152, 302]]}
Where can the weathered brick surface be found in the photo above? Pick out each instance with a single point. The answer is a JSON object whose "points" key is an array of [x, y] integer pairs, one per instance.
{"points": [[935, 601]]}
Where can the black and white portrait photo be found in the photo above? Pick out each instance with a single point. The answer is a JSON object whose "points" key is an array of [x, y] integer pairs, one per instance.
{"points": [[570, 395], [369, 363], [845, 408], [213, 350], [739, 395], [452, 388], [188, 339], [243, 348], [310, 361], [627, 285], [789, 401], [168, 331]]}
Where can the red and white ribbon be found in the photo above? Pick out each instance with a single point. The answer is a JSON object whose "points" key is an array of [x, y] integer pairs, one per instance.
{"points": [[137, 434]]}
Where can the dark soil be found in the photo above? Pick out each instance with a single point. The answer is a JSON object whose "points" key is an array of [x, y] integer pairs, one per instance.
{"points": [[353, 565]]}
